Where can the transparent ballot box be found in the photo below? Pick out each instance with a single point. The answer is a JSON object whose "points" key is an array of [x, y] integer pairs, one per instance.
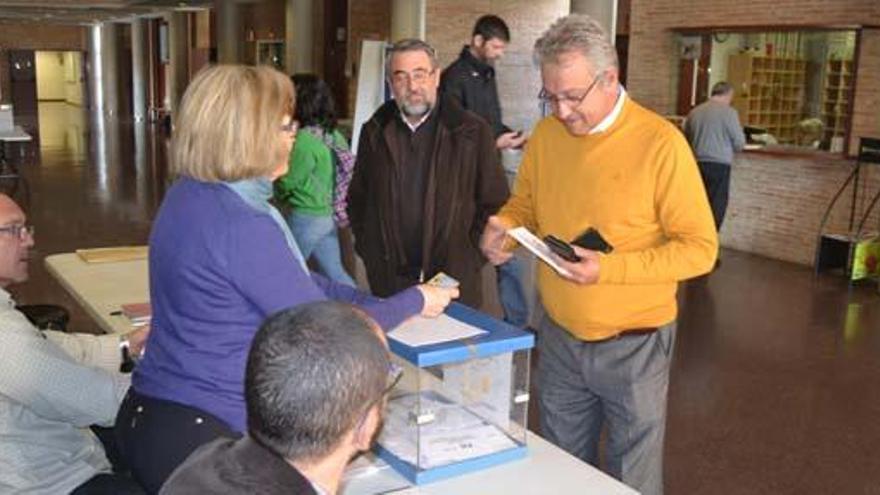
{"points": [[460, 406]]}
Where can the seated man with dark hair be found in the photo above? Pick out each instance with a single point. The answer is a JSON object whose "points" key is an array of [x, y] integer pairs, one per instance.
{"points": [[317, 376]]}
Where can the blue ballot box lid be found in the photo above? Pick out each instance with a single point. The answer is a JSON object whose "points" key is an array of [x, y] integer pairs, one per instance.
{"points": [[499, 338]]}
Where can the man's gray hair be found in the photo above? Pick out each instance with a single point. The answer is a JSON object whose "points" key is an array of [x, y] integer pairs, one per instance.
{"points": [[722, 88], [410, 45], [581, 33]]}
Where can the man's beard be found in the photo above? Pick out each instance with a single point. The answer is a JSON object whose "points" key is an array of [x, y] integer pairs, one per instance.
{"points": [[415, 109]]}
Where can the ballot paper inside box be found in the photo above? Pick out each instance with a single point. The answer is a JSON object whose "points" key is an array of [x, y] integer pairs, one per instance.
{"points": [[460, 406]]}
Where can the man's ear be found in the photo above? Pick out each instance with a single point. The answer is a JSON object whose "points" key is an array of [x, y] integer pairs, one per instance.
{"points": [[478, 40], [368, 430], [610, 77]]}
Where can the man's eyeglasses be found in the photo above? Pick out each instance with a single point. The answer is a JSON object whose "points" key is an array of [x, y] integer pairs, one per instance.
{"points": [[290, 127], [20, 231], [569, 101], [417, 76], [395, 373]]}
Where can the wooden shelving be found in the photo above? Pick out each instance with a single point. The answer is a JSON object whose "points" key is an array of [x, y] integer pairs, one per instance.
{"points": [[769, 92], [836, 98]]}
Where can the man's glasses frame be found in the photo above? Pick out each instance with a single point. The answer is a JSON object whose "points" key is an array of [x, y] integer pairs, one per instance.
{"points": [[395, 373], [569, 101], [20, 231], [418, 76]]}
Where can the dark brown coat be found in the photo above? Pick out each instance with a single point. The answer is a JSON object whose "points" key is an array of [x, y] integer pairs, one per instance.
{"points": [[465, 185]]}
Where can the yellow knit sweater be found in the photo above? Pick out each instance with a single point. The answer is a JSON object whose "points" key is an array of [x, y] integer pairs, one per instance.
{"points": [[637, 183]]}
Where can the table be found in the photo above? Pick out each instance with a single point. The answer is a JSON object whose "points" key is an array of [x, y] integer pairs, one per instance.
{"points": [[546, 469], [102, 287]]}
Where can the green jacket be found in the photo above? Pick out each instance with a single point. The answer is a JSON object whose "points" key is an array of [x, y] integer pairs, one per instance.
{"points": [[308, 185]]}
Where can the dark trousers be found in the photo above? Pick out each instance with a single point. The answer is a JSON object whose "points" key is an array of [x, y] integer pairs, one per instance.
{"points": [[716, 178], [119, 481], [155, 436], [109, 484]]}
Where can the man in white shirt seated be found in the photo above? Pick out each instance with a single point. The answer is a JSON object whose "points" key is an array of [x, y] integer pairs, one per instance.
{"points": [[53, 386]]}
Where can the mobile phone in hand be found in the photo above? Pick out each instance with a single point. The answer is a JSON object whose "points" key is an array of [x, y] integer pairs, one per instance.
{"points": [[561, 248], [593, 240]]}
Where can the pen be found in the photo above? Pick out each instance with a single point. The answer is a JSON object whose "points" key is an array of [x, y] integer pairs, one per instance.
{"points": [[116, 313]]}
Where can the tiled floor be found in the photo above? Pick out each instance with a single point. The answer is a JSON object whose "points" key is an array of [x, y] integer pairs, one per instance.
{"points": [[775, 381]]}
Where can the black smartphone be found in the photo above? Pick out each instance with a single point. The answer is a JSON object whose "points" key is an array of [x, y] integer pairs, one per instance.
{"points": [[593, 240], [561, 248]]}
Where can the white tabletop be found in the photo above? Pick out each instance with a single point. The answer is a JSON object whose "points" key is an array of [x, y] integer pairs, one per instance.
{"points": [[546, 469], [17, 134], [102, 288]]}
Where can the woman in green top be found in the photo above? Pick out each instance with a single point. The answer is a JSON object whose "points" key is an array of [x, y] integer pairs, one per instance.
{"points": [[307, 188]]}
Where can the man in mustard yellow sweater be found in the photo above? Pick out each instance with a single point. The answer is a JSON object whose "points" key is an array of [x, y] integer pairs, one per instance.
{"points": [[602, 161]]}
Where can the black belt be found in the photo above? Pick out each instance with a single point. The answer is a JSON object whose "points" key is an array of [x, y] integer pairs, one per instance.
{"points": [[633, 332]]}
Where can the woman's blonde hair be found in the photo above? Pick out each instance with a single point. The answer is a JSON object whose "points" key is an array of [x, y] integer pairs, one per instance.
{"points": [[229, 124]]}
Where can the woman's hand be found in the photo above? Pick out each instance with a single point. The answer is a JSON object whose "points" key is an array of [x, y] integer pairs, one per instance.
{"points": [[436, 299], [137, 339]]}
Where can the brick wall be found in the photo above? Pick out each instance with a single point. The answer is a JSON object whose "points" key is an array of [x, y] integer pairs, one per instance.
{"points": [[653, 67], [367, 20], [35, 37], [449, 25], [777, 203]]}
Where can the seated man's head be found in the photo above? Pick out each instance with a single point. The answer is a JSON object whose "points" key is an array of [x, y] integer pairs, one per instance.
{"points": [[317, 377], [16, 239]]}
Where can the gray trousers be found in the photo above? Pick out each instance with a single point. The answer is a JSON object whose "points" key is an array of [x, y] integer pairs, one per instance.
{"points": [[621, 383]]}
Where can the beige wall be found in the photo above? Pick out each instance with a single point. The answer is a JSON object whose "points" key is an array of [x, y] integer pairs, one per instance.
{"points": [[58, 76], [50, 75]]}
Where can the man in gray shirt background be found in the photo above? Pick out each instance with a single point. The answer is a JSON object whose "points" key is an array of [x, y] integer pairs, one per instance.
{"points": [[714, 132]]}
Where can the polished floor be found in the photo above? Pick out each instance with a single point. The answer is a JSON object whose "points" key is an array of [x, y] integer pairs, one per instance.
{"points": [[776, 381]]}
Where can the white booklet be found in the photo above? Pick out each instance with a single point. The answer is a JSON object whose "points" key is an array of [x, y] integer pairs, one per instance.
{"points": [[537, 246]]}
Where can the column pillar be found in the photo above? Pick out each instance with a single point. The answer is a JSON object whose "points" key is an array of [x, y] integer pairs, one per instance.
{"points": [[110, 69], [407, 19], [139, 68], [228, 31], [178, 40], [299, 36], [604, 11]]}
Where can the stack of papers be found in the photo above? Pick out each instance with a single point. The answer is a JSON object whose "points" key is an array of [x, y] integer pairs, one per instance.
{"points": [[421, 331]]}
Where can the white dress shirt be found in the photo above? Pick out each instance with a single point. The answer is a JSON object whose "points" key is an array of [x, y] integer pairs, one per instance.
{"points": [[53, 385], [609, 119]]}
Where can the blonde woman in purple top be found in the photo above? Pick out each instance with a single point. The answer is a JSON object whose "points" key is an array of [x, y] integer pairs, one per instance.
{"points": [[222, 259]]}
